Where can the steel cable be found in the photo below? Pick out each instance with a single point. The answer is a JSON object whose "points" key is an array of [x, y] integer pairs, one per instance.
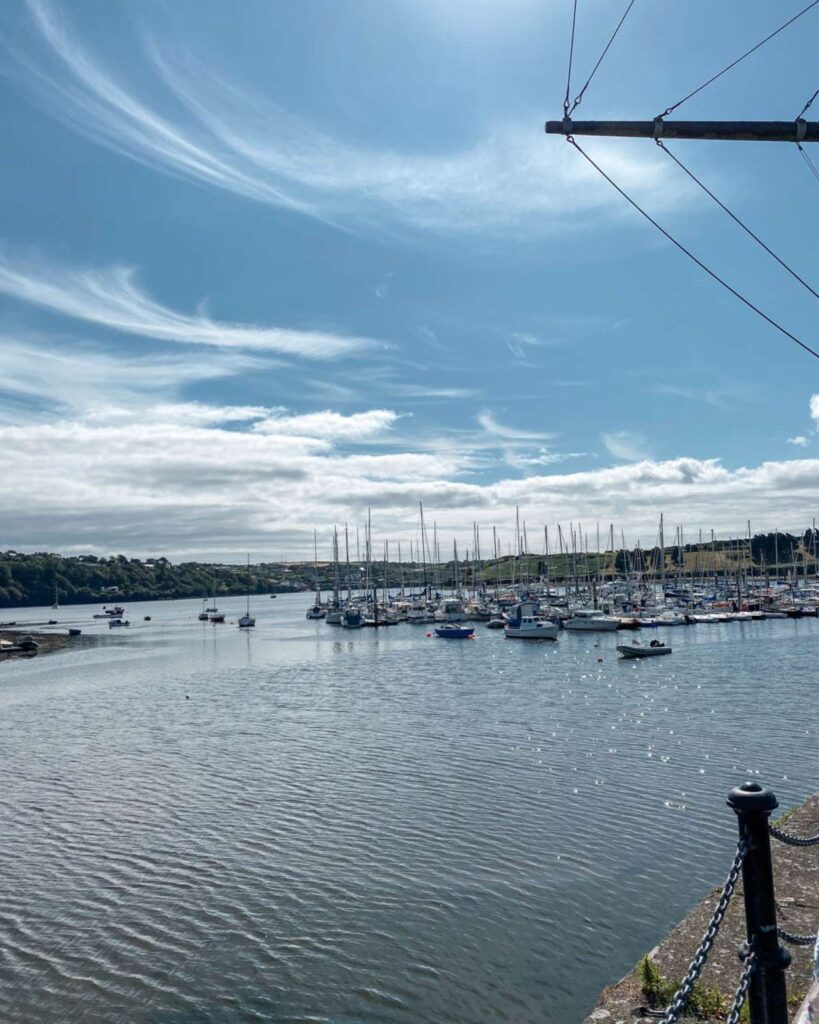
{"points": [[736, 219], [691, 256], [571, 57], [579, 96], [734, 63], [802, 111]]}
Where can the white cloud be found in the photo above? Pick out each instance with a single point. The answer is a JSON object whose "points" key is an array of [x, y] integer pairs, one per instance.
{"points": [[814, 408], [496, 429], [626, 444], [113, 298], [358, 426], [800, 441], [224, 136]]}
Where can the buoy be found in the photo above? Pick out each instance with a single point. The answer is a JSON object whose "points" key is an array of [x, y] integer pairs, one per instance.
{"points": [[187, 696], [429, 635], [599, 659]]}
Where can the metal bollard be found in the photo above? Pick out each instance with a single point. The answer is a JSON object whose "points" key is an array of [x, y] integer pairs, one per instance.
{"points": [[767, 997]]}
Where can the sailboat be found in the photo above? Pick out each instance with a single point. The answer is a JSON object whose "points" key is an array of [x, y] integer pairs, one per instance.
{"points": [[316, 612], [333, 616], [203, 615], [247, 620]]}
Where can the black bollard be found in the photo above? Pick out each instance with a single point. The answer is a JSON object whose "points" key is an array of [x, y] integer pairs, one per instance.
{"points": [[767, 996]]}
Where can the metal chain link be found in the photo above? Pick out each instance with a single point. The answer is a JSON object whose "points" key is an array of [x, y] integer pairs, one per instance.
{"points": [[791, 840], [742, 989], [797, 940], [678, 1004]]}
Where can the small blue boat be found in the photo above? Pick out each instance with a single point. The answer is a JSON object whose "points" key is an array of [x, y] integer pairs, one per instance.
{"points": [[452, 631]]}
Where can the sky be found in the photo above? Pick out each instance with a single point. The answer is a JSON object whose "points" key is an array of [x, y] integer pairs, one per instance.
{"points": [[265, 266]]}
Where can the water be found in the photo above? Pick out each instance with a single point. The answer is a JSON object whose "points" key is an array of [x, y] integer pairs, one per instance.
{"points": [[304, 824]]}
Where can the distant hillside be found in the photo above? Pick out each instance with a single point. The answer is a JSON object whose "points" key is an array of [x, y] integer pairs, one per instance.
{"points": [[31, 579]]}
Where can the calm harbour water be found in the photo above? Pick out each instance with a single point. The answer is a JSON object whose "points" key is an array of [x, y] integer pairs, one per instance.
{"points": [[370, 826]]}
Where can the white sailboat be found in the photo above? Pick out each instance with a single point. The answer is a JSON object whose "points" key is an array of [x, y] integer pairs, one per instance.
{"points": [[247, 620]]}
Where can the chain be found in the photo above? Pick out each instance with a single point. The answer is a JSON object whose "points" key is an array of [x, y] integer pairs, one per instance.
{"points": [[791, 840], [797, 940], [678, 1004], [742, 989]]}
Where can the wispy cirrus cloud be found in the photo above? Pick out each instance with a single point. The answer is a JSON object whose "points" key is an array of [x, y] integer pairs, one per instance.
{"points": [[220, 134], [113, 298], [496, 429], [49, 373]]}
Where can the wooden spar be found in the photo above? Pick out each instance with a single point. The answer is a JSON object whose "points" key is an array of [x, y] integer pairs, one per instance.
{"points": [[736, 131]]}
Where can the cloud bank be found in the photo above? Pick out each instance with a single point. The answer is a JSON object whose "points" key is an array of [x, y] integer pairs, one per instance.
{"points": [[196, 480]]}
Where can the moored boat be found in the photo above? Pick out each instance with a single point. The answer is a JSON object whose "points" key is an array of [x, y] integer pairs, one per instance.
{"points": [[637, 650], [453, 631], [524, 623], [591, 621]]}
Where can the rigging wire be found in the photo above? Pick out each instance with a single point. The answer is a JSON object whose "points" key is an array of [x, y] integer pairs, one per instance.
{"points": [[682, 248], [579, 96], [571, 55], [808, 161], [734, 63], [802, 111], [736, 219]]}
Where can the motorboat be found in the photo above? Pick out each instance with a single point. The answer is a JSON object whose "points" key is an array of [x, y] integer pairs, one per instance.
{"points": [[420, 613], [591, 621], [530, 627], [496, 622], [524, 623], [451, 609], [112, 623], [454, 631], [637, 650]]}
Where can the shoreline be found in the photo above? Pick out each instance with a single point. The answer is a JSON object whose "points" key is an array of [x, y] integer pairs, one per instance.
{"points": [[49, 643]]}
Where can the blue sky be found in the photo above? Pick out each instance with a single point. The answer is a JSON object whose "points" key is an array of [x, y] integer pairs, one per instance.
{"points": [[264, 265]]}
